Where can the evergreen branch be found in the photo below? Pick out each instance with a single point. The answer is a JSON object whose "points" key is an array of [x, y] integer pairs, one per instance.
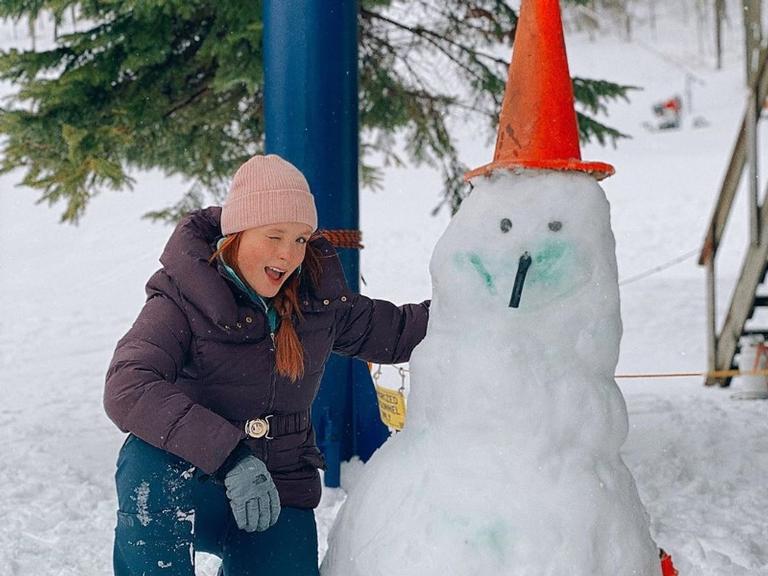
{"points": [[590, 128], [191, 100], [593, 94], [432, 37]]}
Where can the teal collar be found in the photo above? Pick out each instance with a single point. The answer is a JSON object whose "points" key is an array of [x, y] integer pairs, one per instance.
{"points": [[264, 303]]}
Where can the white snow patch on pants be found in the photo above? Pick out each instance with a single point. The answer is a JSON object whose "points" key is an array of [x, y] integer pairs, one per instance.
{"points": [[142, 498]]}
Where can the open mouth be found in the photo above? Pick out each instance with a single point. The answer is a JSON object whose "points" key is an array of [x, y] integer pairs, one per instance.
{"points": [[275, 274]]}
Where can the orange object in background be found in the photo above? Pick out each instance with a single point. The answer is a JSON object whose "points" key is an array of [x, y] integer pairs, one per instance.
{"points": [[667, 568]]}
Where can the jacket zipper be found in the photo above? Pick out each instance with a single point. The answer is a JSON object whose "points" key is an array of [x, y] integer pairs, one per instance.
{"points": [[266, 315], [272, 382]]}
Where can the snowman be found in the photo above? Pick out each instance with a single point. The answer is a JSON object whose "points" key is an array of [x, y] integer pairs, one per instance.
{"points": [[509, 463]]}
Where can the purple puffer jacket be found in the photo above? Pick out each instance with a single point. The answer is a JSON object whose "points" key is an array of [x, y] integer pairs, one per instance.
{"points": [[199, 360]]}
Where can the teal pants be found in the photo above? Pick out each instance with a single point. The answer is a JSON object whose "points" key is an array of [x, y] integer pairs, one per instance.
{"points": [[167, 511]]}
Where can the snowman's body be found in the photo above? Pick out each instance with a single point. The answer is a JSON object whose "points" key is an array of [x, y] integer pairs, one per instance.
{"points": [[509, 463]]}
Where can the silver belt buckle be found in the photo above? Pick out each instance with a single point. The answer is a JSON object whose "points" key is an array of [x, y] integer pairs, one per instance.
{"points": [[258, 428]]}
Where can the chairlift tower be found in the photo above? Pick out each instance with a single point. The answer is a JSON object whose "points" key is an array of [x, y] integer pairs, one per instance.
{"points": [[311, 120]]}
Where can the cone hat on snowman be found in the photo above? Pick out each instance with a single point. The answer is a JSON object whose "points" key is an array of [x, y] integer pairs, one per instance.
{"points": [[537, 124]]}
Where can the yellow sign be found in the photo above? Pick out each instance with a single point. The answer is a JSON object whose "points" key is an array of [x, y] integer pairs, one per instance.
{"points": [[391, 407]]}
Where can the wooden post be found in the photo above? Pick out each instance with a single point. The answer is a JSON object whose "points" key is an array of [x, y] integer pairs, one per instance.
{"points": [[711, 320], [652, 18], [753, 36], [31, 25], [628, 26], [753, 187], [719, 15]]}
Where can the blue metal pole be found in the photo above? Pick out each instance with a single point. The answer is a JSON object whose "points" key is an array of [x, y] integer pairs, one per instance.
{"points": [[311, 120]]}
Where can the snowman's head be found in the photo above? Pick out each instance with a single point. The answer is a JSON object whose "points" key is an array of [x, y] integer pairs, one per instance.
{"points": [[527, 243]]}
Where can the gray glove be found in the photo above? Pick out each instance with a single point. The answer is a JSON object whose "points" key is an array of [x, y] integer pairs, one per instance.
{"points": [[252, 495]]}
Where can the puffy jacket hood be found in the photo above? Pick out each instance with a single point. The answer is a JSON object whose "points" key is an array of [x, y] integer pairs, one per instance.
{"points": [[185, 259]]}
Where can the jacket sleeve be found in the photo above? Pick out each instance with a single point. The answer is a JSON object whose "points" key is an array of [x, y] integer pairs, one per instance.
{"points": [[141, 397], [378, 331]]}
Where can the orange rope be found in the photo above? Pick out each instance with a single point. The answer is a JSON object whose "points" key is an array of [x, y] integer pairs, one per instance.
{"points": [[667, 375], [343, 238], [713, 374]]}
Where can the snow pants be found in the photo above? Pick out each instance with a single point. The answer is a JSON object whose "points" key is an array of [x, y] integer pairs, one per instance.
{"points": [[168, 510]]}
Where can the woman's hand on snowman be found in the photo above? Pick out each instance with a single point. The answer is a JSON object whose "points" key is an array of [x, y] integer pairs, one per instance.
{"points": [[252, 494]]}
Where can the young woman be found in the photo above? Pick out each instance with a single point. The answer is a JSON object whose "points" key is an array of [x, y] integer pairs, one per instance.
{"points": [[216, 378]]}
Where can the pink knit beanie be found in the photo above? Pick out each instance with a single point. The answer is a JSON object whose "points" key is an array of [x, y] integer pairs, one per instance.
{"points": [[267, 190]]}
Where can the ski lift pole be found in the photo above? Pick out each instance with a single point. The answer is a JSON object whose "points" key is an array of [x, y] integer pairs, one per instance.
{"points": [[311, 120]]}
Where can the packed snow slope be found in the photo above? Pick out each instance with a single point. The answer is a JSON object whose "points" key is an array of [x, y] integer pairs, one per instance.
{"points": [[699, 458]]}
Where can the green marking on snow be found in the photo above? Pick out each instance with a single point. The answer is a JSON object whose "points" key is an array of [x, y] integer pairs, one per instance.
{"points": [[548, 266], [494, 537], [477, 264]]}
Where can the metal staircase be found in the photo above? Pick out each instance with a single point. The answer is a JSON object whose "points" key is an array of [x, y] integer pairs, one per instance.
{"points": [[723, 344]]}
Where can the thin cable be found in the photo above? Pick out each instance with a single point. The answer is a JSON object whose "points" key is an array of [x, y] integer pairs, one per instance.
{"points": [[659, 268]]}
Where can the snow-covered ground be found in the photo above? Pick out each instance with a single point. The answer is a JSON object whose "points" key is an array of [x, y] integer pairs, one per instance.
{"points": [[699, 457]]}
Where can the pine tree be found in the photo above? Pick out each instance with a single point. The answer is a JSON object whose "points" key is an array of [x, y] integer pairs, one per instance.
{"points": [[177, 85]]}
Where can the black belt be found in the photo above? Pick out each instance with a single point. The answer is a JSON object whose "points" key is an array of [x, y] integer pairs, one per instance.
{"points": [[275, 425]]}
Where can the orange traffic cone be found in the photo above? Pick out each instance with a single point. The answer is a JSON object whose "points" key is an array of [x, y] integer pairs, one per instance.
{"points": [[537, 125]]}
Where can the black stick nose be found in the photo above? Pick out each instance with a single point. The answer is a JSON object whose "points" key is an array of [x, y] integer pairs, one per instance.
{"points": [[522, 270]]}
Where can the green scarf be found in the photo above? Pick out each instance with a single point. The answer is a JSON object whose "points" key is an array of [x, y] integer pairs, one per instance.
{"points": [[264, 303]]}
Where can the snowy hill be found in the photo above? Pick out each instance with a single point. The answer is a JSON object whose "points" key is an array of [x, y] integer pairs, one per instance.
{"points": [[699, 457]]}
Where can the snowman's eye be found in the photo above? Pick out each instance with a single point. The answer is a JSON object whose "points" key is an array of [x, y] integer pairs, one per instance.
{"points": [[555, 225], [505, 225]]}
